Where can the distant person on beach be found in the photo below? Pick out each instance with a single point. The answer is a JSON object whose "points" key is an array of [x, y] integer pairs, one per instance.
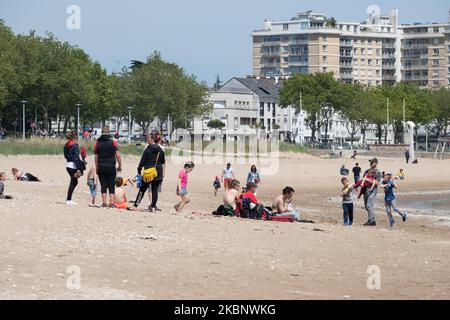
{"points": [[153, 162], [389, 199], [344, 171], [355, 153], [282, 205], [407, 155], [400, 175], [182, 186], [254, 176], [74, 165], [356, 173], [227, 175], [23, 176], [120, 199], [216, 185], [2, 186], [347, 201], [370, 197], [106, 152], [92, 182]]}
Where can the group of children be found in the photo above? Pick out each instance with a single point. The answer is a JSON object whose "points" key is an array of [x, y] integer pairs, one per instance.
{"points": [[367, 185]]}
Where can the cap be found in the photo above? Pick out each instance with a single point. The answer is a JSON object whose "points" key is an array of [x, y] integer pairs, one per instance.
{"points": [[373, 160]]}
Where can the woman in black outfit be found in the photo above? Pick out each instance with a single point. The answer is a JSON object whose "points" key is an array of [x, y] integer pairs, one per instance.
{"points": [[72, 155], [153, 157]]}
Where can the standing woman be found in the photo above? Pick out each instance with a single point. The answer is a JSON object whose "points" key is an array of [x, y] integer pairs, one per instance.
{"points": [[154, 163], [253, 176], [74, 165]]}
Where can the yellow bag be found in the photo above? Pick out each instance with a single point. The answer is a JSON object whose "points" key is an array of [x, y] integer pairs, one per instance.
{"points": [[150, 174]]}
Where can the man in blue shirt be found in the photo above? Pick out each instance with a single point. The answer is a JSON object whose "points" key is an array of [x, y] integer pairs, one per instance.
{"points": [[389, 198]]}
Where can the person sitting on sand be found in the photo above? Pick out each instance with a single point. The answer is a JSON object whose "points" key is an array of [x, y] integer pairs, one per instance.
{"points": [[92, 182], [282, 205], [2, 186], [251, 207], [120, 199], [23, 176], [400, 175], [344, 171], [231, 195]]}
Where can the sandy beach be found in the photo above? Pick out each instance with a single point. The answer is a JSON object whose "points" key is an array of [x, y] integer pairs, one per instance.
{"points": [[138, 255]]}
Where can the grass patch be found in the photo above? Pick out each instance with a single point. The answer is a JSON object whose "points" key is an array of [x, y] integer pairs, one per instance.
{"points": [[49, 146]]}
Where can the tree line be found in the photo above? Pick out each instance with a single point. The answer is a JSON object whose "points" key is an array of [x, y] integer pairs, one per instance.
{"points": [[322, 97], [54, 76]]}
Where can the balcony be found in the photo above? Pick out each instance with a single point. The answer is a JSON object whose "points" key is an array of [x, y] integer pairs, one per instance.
{"points": [[414, 46], [346, 76], [270, 65], [388, 77], [415, 78], [388, 56], [388, 66], [346, 43], [271, 44], [415, 67], [346, 54], [270, 54], [298, 63], [346, 65], [296, 42], [388, 45]]}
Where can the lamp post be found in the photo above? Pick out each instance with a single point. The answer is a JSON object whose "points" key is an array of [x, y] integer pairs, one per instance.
{"points": [[23, 118], [78, 118], [129, 124]]}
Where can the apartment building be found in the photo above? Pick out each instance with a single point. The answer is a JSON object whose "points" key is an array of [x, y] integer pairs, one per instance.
{"points": [[374, 52], [247, 107]]}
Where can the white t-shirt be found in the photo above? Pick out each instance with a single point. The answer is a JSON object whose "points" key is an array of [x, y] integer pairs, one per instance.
{"points": [[228, 173]]}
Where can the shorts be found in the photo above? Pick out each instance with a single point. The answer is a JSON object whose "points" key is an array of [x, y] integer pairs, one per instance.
{"points": [[121, 205], [183, 192], [92, 187], [226, 182], [107, 177]]}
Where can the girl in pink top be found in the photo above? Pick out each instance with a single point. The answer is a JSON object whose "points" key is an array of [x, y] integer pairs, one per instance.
{"points": [[182, 186]]}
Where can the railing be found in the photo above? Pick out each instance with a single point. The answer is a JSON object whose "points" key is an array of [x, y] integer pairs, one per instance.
{"points": [[388, 77], [270, 54], [388, 56], [346, 76], [271, 44], [416, 67], [388, 66], [345, 54], [298, 41], [299, 63], [346, 65], [346, 43], [388, 45], [414, 46]]}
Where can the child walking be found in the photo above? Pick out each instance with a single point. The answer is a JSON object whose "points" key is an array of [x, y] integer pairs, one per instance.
{"points": [[389, 199], [182, 186], [347, 201], [92, 182], [216, 185]]}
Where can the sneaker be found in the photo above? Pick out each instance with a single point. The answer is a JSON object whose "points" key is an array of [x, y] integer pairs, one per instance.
{"points": [[350, 224], [391, 223], [104, 205], [70, 203], [404, 216], [370, 223]]}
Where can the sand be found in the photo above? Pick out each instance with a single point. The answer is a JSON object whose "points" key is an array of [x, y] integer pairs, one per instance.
{"points": [[138, 255]]}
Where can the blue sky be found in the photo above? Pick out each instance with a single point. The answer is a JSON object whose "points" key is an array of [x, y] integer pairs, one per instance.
{"points": [[206, 37]]}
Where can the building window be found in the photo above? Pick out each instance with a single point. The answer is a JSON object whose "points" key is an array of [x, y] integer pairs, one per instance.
{"points": [[435, 62], [378, 62], [268, 107], [436, 30], [378, 52], [286, 27], [435, 52], [363, 51], [324, 47], [378, 72], [261, 110], [369, 73], [363, 61], [274, 110], [324, 59], [324, 38], [369, 62], [369, 51], [324, 69]]}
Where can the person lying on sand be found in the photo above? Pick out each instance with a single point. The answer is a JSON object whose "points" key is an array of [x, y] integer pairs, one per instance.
{"points": [[2, 186], [121, 198], [23, 176]]}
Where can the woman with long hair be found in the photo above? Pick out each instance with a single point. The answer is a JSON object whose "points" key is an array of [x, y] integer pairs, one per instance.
{"points": [[74, 165], [154, 164]]}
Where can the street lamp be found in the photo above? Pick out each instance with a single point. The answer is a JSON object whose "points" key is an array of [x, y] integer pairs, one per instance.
{"points": [[129, 124], [78, 118], [23, 118]]}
